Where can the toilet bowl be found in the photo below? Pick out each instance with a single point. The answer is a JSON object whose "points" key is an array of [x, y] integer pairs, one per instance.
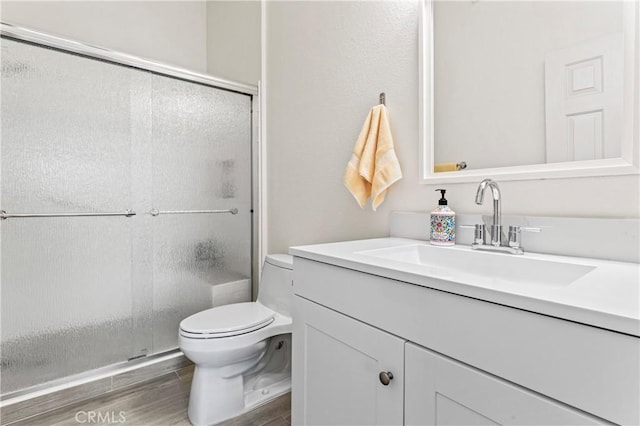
{"points": [[242, 351]]}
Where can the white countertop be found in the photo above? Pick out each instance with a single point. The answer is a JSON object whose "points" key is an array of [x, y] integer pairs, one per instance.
{"points": [[607, 297]]}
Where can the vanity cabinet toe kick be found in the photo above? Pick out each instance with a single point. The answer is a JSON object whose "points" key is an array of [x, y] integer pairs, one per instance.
{"points": [[452, 358]]}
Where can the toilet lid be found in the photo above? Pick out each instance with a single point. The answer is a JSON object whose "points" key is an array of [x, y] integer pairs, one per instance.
{"points": [[227, 320], [282, 260]]}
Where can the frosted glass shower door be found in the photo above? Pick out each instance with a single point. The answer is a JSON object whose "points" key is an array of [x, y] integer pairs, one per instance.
{"points": [[201, 148], [80, 135], [66, 281]]}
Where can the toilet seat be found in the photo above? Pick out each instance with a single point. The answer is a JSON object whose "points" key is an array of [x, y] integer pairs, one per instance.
{"points": [[227, 321]]}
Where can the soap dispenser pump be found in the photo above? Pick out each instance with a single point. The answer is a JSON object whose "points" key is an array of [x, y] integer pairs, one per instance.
{"points": [[443, 223]]}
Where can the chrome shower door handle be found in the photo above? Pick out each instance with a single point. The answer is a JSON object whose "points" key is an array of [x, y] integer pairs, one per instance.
{"points": [[155, 212]]}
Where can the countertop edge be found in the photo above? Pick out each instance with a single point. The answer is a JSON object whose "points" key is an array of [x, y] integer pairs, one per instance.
{"points": [[600, 319]]}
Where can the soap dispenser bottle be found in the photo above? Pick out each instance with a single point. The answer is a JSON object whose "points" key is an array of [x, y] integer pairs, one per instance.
{"points": [[443, 223]]}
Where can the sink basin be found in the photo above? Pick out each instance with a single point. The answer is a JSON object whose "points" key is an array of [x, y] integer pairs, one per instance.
{"points": [[464, 263]]}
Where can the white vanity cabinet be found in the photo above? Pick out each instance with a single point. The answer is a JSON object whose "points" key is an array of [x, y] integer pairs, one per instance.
{"points": [[454, 359], [442, 391], [340, 362]]}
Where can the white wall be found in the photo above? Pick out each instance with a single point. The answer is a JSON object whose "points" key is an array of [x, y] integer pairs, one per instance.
{"points": [[233, 40], [326, 63], [221, 38], [167, 31]]}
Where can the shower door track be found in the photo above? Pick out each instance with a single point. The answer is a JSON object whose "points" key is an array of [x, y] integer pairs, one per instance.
{"points": [[103, 54], [85, 377]]}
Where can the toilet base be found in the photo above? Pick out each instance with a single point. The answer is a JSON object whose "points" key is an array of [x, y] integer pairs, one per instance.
{"points": [[218, 394], [214, 400], [260, 397]]}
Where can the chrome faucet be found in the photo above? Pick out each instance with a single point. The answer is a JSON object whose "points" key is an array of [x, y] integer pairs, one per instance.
{"points": [[495, 229], [496, 226]]}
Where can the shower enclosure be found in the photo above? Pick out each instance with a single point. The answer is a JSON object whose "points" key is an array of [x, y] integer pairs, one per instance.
{"points": [[126, 196]]}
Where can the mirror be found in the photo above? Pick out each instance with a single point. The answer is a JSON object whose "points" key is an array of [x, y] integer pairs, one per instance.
{"points": [[528, 89]]}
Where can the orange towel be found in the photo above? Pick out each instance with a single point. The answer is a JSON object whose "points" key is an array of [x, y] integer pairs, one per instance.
{"points": [[373, 167]]}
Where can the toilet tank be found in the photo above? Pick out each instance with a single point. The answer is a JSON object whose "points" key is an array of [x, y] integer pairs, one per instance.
{"points": [[276, 284]]}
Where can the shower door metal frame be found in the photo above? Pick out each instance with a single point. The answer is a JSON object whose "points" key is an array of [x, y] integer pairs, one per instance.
{"points": [[96, 52], [22, 34]]}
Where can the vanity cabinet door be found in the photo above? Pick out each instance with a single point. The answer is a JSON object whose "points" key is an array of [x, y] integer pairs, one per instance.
{"points": [[337, 366], [441, 391]]}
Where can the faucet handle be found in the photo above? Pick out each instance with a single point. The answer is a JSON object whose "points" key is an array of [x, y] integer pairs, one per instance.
{"points": [[515, 234], [478, 233]]}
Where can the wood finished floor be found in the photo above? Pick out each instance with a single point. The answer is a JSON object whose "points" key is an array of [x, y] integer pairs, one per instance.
{"points": [[159, 402]]}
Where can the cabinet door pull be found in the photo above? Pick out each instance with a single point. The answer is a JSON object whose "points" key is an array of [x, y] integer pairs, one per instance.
{"points": [[385, 377]]}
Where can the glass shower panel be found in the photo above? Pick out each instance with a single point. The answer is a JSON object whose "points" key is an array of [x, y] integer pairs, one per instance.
{"points": [[66, 297], [81, 135], [66, 131], [66, 147], [201, 161]]}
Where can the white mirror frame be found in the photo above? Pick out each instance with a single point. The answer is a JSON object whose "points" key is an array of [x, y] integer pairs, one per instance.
{"points": [[628, 164]]}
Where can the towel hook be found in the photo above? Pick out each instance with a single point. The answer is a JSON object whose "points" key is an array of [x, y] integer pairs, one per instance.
{"points": [[383, 98]]}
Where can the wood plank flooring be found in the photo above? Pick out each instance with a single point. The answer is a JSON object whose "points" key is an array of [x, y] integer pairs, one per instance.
{"points": [[45, 403], [162, 401]]}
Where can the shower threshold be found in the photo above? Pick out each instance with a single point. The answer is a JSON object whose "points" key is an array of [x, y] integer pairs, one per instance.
{"points": [[58, 393]]}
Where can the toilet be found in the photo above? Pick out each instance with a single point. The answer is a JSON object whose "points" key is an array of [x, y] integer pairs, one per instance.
{"points": [[242, 351]]}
